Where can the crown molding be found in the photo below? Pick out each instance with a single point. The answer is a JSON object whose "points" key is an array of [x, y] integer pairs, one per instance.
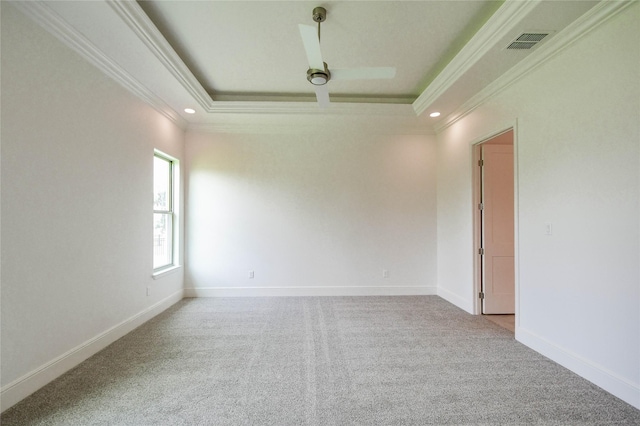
{"points": [[498, 26], [385, 121], [596, 16], [136, 19], [286, 129], [312, 108], [49, 20]]}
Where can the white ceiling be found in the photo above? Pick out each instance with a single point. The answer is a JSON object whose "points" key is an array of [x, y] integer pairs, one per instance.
{"points": [[235, 59]]}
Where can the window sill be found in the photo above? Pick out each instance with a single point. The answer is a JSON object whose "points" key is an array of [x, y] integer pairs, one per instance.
{"points": [[166, 271]]}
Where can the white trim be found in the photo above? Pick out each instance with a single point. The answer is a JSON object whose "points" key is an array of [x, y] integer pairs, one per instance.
{"points": [[24, 386], [506, 18], [156, 151], [455, 299], [44, 16], [270, 128], [311, 108], [595, 373], [166, 271], [299, 117], [136, 19], [516, 221], [475, 176], [309, 291], [177, 218], [596, 16]]}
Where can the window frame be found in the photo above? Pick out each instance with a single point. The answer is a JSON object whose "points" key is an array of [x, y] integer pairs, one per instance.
{"points": [[171, 211]]}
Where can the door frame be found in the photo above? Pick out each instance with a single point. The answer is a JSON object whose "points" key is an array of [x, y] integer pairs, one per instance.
{"points": [[477, 228]]}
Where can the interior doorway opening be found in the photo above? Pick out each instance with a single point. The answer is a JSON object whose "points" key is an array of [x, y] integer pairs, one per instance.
{"points": [[494, 228]]}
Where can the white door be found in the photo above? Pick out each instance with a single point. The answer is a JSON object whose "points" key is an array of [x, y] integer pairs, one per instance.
{"points": [[498, 265]]}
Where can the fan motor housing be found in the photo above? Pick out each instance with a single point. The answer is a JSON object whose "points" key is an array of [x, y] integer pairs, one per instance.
{"points": [[319, 77]]}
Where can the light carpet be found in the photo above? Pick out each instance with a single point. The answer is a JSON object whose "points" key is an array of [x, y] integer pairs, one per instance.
{"points": [[319, 361]]}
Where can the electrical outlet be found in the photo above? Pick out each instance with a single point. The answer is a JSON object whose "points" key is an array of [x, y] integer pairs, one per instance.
{"points": [[252, 274], [548, 229], [148, 291], [385, 273]]}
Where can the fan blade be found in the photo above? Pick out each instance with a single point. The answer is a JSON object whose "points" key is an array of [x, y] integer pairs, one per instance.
{"points": [[312, 46], [322, 94], [363, 73]]}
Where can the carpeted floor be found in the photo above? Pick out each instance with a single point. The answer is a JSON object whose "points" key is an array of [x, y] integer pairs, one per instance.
{"points": [[319, 361]]}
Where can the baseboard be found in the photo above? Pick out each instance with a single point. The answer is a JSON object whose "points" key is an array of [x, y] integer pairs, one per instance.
{"points": [[597, 374], [24, 386], [455, 299], [308, 291]]}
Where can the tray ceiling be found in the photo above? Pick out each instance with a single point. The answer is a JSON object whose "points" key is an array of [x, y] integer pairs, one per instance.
{"points": [[254, 49], [230, 60]]}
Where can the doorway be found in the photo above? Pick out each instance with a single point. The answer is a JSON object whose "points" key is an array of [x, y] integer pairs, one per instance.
{"points": [[494, 227]]}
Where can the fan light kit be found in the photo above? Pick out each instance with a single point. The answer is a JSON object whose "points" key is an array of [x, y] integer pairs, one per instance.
{"points": [[318, 77], [318, 73]]}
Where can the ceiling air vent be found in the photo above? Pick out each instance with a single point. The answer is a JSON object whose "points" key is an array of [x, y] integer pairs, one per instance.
{"points": [[526, 41]]}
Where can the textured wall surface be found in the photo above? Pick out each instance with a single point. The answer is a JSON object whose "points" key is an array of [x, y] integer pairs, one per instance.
{"points": [[311, 213], [578, 162], [77, 159]]}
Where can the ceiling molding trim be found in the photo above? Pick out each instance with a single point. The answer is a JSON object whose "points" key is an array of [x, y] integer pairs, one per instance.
{"points": [[136, 19], [49, 20], [312, 108], [306, 128], [498, 26], [309, 108], [594, 17]]}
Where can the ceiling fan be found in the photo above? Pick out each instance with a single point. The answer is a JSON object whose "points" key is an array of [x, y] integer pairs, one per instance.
{"points": [[318, 73]]}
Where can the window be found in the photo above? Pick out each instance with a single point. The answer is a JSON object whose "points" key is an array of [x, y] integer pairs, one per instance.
{"points": [[164, 213]]}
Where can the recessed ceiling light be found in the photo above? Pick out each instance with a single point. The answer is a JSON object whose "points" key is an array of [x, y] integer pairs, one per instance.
{"points": [[190, 110], [434, 114]]}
